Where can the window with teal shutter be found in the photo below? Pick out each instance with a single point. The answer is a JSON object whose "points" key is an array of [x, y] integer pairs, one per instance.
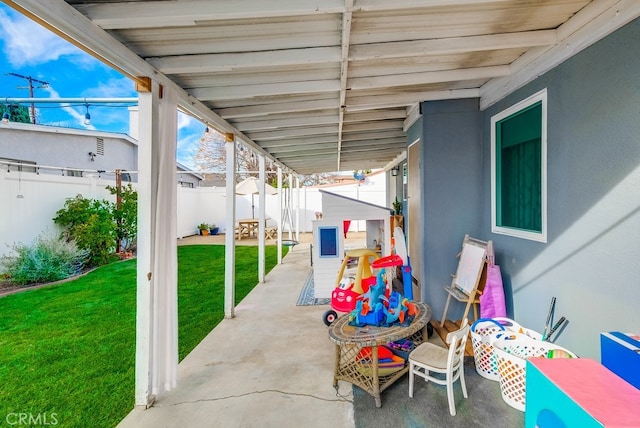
{"points": [[519, 169]]}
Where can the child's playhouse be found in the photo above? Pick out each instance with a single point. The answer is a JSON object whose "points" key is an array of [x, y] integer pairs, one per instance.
{"points": [[329, 236]]}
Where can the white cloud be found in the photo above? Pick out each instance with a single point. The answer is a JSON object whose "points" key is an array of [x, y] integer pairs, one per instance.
{"points": [[28, 43], [187, 122], [112, 88], [189, 132], [186, 150]]}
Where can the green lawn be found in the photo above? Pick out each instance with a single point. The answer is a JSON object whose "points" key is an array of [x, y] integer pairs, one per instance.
{"points": [[67, 351]]}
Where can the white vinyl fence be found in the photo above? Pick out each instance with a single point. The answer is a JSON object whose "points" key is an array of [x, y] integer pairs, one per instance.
{"points": [[30, 202]]}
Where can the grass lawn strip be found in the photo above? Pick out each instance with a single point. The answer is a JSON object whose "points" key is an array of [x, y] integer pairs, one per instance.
{"points": [[69, 349]]}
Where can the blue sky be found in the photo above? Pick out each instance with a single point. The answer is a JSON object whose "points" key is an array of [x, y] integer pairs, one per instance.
{"points": [[28, 49]]}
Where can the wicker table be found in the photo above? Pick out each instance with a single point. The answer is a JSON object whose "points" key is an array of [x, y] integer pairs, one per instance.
{"points": [[350, 340]]}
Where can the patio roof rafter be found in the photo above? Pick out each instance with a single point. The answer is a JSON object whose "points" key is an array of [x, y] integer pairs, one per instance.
{"points": [[233, 61], [134, 15], [344, 71]]}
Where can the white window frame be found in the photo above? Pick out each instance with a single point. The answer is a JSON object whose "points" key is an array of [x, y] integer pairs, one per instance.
{"points": [[520, 233]]}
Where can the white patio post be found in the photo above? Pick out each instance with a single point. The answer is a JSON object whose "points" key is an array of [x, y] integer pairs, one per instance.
{"points": [[157, 278], [147, 133], [297, 208], [289, 207], [280, 192], [261, 217], [230, 236]]}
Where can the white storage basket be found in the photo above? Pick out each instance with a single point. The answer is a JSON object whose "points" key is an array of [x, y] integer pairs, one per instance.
{"points": [[482, 332], [512, 350]]}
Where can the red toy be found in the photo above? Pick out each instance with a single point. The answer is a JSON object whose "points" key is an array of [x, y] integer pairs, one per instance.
{"points": [[350, 287]]}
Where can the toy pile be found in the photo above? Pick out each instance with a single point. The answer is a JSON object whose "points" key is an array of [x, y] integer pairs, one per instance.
{"points": [[381, 307], [388, 362]]}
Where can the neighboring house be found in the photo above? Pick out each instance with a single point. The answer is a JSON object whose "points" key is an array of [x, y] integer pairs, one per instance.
{"points": [[585, 247], [188, 178], [75, 152]]}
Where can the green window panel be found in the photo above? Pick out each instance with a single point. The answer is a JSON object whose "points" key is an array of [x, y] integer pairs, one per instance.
{"points": [[519, 169]]}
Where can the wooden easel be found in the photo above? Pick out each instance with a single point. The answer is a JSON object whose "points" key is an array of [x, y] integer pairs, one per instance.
{"points": [[467, 284]]}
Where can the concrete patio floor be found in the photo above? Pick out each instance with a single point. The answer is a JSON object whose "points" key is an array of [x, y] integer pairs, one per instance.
{"points": [[271, 365]]}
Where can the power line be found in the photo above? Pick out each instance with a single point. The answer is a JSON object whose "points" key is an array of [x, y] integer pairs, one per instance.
{"points": [[31, 87]]}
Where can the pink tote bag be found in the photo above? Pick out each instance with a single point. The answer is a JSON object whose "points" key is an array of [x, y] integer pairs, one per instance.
{"points": [[492, 299]]}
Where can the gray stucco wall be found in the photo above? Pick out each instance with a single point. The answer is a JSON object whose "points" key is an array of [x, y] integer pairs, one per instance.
{"points": [[591, 262], [60, 147], [451, 166]]}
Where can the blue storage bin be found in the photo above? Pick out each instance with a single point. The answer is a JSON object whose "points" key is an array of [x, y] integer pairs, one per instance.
{"points": [[402, 348], [620, 353]]}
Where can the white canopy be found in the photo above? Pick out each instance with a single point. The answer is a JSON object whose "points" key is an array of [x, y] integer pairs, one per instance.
{"points": [[249, 186]]}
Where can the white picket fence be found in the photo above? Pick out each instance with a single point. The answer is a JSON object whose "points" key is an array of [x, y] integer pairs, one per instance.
{"points": [[30, 202]]}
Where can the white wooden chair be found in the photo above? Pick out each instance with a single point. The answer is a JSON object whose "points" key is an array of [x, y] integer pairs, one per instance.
{"points": [[429, 357]]}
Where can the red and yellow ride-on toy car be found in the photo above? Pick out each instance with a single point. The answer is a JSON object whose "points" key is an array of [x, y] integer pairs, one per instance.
{"points": [[349, 284]]}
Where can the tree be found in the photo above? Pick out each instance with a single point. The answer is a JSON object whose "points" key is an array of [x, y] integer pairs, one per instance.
{"points": [[316, 179], [17, 113], [211, 160]]}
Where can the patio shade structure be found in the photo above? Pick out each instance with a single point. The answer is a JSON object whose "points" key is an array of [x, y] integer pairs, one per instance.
{"points": [[249, 186], [330, 85], [312, 85]]}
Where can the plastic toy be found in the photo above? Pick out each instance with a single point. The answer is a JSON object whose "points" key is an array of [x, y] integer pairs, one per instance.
{"points": [[376, 316], [350, 287], [388, 362], [375, 308], [368, 299], [343, 296], [401, 250], [395, 308], [376, 293]]}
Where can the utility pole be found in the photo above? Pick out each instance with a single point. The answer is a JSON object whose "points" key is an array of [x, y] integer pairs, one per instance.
{"points": [[31, 88]]}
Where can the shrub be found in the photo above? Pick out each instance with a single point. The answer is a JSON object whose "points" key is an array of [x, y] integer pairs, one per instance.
{"points": [[48, 259], [125, 215], [89, 223]]}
